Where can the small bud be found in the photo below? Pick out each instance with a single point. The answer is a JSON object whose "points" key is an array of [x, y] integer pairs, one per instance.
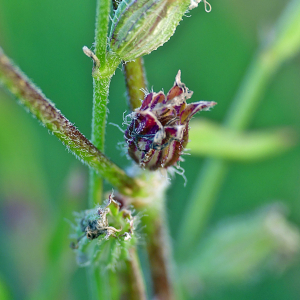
{"points": [[141, 26], [93, 56], [110, 227], [158, 132]]}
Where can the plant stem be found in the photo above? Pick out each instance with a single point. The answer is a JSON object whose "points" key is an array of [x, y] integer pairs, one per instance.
{"points": [[159, 252], [101, 85], [158, 246], [101, 32], [101, 89], [134, 277], [98, 283], [32, 98], [136, 82], [157, 236], [100, 99], [285, 44]]}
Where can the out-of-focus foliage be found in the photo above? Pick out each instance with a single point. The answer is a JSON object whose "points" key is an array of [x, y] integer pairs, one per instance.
{"points": [[213, 140], [4, 294], [241, 249], [41, 184]]}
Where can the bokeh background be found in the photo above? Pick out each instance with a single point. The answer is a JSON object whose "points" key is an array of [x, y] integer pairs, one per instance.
{"points": [[41, 184]]}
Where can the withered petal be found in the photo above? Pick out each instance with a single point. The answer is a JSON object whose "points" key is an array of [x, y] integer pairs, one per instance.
{"points": [[179, 90], [175, 132], [175, 91], [146, 102], [146, 123], [193, 108], [158, 98]]}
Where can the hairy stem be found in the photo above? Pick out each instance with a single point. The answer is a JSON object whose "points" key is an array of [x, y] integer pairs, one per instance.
{"points": [[136, 82], [159, 252], [101, 88], [100, 99], [99, 288], [157, 236], [101, 31], [285, 44], [134, 278], [32, 98]]}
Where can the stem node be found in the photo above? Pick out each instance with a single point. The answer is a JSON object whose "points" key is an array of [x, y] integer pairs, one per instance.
{"points": [[88, 52]]}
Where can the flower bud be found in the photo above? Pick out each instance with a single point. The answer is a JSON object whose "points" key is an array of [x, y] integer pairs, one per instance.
{"points": [[141, 26], [158, 132], [104, 234]]}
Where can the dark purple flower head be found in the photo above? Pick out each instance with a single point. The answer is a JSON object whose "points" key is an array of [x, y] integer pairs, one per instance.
{"points": [[158, 132]]}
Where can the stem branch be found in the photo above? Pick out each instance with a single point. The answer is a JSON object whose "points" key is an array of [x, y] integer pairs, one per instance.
{"points": [[101, 32], [100, 99], [135, 283], [136, 82], [32, 98], [159, 252]]}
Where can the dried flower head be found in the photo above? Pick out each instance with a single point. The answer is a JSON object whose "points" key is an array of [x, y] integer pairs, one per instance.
{"points": [[158, 132]]}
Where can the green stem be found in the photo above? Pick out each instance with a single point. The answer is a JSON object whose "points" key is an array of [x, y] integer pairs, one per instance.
{"points": [[101, 32], [101, 89], [285, 44], [159, 251], [134, 278], [101, 85], [136, 82], [95, 189], [94, 282], [100, 99], [250, 93], [98, 287], [31, 97], [98, 283]]}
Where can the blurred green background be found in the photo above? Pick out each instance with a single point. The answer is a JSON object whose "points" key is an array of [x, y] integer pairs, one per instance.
{"points": [[41, 184]]}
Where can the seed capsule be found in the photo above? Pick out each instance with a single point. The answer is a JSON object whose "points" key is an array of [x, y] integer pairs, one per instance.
{"points": [[158, 132], [141, 26]]}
